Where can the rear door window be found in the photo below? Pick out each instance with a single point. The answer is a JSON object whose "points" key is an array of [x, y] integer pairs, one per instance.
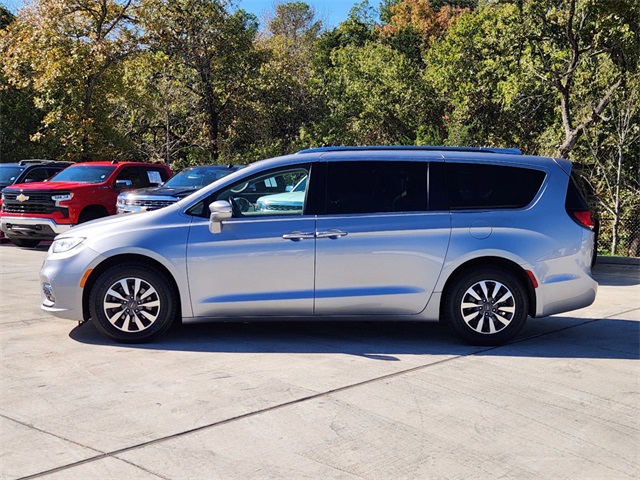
{"points": [[376, 187], [481, 186]]}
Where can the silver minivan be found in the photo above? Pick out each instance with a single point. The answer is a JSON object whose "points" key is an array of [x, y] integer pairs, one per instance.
{"points": [[480, 238]]}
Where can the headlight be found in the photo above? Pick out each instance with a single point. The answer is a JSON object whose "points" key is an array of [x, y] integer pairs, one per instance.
{"points": [[65, 244], [62, 198]]}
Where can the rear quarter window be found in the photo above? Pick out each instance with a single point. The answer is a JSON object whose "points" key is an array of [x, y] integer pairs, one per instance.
{"points": [[481, 186]]}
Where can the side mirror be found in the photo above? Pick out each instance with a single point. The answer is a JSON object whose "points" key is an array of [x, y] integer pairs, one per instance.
{"points": [[120, 184], [220, 210]]}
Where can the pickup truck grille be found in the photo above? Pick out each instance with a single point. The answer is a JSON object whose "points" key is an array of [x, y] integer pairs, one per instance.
{"points": [[151, 204], [37, 202], [284, 207]]}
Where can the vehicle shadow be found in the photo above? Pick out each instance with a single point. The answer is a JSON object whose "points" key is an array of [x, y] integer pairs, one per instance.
{"points": [[617, 275], [558, 337]]}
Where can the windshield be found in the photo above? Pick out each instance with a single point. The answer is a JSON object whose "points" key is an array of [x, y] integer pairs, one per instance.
{"points": [[84, 174], [8, 175], [197, 177]]}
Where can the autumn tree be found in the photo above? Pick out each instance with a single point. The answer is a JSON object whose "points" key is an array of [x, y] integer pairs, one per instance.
{"points": [[68, 53], [18, 115]]}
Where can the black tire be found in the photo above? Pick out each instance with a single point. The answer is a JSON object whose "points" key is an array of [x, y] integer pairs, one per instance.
{"points": [[486, 306], [25, 242], [88, 215], [133, 303]]}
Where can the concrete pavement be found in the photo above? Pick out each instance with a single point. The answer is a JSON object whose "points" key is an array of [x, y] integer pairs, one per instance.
{"points": [[327, 400]]}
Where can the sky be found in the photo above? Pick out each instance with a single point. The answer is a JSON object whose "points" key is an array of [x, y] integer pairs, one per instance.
{"points": [[331, 12]]}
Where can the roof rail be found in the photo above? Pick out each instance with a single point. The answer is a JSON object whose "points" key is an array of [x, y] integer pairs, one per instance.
{"points": [[35, 160], [508, 151]]}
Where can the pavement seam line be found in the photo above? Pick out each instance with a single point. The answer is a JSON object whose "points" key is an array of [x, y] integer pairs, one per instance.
{"points": [[243, 416], [33, 427]]}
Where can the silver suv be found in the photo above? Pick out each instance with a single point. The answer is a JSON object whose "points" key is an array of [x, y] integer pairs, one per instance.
{"points": [[479, 238], [179, 186]]}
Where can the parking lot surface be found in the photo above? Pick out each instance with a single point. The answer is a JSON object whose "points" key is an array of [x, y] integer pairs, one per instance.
{"points": [[338, 400]]}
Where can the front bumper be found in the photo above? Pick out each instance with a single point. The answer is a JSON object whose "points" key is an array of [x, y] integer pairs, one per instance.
{"points": [[60, 277], [32, 227]]}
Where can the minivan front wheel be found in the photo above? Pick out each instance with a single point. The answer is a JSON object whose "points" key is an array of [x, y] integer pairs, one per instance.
{"points": [[487, 306], [132, 303]]}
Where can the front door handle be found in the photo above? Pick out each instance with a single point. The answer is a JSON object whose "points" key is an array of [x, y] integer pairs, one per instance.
{"points": [[295, 236], [333, 233]]}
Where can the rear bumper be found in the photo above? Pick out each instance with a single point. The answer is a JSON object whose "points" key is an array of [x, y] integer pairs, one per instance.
{"points": [[32, 227], [563, 294]]}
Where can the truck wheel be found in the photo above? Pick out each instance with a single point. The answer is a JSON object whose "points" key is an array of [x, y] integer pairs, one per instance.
{"points": [[25, 242], [89, 214], [486, 306], [133, 303]]}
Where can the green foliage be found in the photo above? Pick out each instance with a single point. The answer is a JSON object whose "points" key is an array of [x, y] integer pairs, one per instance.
{"points": [[6, 17], [373, 95], [216, 45], [477, 70]]}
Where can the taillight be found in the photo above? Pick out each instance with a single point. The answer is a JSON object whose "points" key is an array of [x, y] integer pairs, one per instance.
{"points": [[583, 218]]}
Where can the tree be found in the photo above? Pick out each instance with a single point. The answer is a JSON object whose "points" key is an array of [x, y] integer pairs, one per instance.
{"points": [[358, 29], [18, 116], [157, 112], [68, 53], [481, 79], [295, 21], [280, 101], [412, 26], [420, 17], [374, 96], [613, 149], [215, 44], [571, 44]]}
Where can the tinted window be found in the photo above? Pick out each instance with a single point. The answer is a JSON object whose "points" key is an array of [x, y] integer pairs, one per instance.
{"points": [[131, 175], [37, 175], [473, 186], [85, 174], [575, 199], [372, 187]]}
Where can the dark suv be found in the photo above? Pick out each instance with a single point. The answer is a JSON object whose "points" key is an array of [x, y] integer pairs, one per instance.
{"points": [[181, 185], [28, 171]]}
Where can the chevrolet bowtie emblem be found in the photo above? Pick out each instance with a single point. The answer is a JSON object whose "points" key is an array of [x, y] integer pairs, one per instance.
{"points": [[22, 197]]}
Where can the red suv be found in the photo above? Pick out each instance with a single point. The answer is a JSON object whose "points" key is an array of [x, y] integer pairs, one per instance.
{"points": [[32, 212]]}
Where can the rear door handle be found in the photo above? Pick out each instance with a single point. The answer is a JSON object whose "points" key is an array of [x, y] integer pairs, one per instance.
{"points": [[295, 236], [333, 233]]}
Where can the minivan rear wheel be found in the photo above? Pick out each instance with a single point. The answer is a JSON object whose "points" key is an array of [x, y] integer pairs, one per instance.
{"points": [[132, 303], [486, 306]]}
